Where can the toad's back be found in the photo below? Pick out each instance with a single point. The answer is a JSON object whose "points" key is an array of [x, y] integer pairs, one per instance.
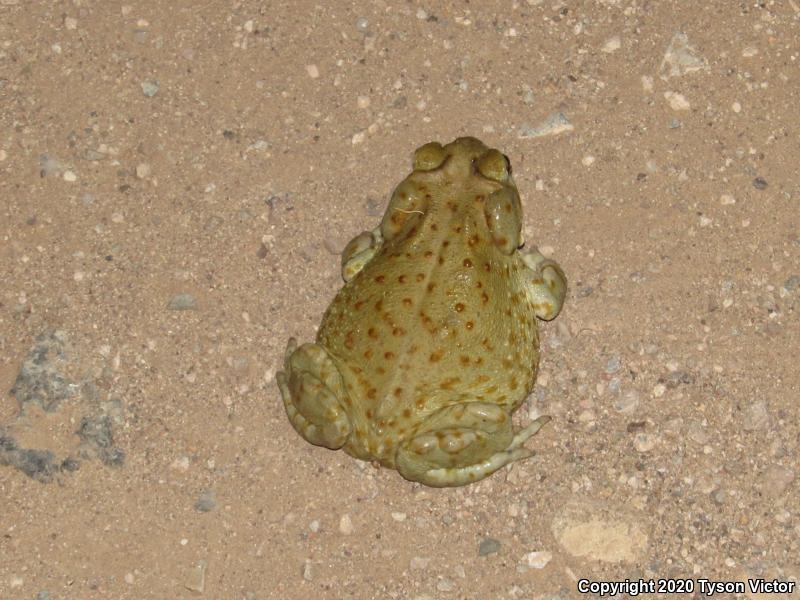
{"points": [[439, 315]]}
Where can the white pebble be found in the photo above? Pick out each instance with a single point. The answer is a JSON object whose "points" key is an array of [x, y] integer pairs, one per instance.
{"points": [[180, 464], [399, 516], [3, 155], [345, 524], [363, 101], [445, 585], [736, 107], [70, 176], [71, 23], [537, 560], [727, 199], [143, 170], [705, 221], [419, 563], [628, 402], [677, 101], [129, 578], [312, 71], [647, 83], [588, 160], [612, 45], [659, 389], [358, 138]]}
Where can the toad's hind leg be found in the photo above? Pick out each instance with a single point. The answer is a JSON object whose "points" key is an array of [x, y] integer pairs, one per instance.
{"points": [[313, 395], [463, 443]]}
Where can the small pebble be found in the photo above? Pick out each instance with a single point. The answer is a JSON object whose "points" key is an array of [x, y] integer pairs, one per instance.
{"points": [[627, 402], [70, 22], [612, 45], [677, 101], [488, 546], [445, 585], [70, 176], [143, 171], [537, 560], [312, 71], [555, 124], [658, 390], [613, 364], [206, 502], [196, 579], [792, 283], [149, 88], [129, 578], [727, 200], [756, 416], [777, 480], [345, 524], [180, 464], [182, 302], [760, 183], [307, 572], [419, 563]]}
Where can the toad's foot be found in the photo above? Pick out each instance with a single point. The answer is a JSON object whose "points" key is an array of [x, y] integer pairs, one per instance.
{"points": [[463, 444], [311, 388], [548, 285]]}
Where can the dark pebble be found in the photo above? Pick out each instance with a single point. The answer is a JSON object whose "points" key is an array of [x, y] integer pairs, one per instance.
{"points": [[488, 546]]}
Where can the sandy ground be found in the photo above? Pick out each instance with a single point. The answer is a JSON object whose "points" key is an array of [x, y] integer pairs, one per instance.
{"points": [[176, 182]]}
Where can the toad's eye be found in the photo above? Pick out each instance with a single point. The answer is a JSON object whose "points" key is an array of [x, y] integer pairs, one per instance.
{"points": [[494, 165]]}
